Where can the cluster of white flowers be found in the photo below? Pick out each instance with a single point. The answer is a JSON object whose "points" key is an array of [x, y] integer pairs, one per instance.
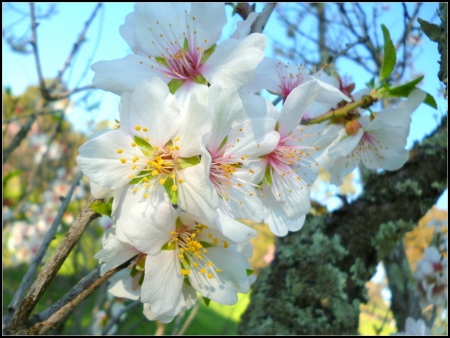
{"points": [[196, 151]]}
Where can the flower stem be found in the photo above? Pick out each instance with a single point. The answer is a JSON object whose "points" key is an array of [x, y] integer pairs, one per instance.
{"points": [[345, 112]]}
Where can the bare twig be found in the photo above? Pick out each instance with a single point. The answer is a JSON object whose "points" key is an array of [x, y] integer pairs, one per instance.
{"points": [[27, 279], [344, 51], [44, 327], [433, 317], [189, 320], [116, 319], [33, 42], [75, 47], [66, 94], [177, 323], [50, 269], [263, 17]]}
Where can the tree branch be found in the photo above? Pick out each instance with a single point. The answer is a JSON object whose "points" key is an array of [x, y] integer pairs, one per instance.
{"points": [[50, 269], [260, 22]]}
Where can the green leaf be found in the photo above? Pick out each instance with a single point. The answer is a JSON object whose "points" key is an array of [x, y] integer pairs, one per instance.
{"points": [[207, 53], [143, 144], [173, 195], [206, 300], [249, 272], [174, 85], [188, 162], [170, 245], [404, 90], [390, 57], [430, 29], [371, 83], [102, 208], [268, 175], [429, 100], [200, 80], [162, 61]]}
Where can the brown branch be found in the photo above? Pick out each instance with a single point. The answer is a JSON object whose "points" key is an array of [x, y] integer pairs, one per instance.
{"points": [[260, 22], [66, 94], [75, 48], [50, 269], [91, 285]]}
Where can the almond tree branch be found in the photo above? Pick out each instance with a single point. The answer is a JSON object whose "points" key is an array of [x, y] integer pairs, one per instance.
{"points": [[260, 22], [50, 269], [91, 284], [33, 42]]}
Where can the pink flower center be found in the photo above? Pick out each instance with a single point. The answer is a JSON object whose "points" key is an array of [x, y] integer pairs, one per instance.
{"points": [[181, 61], [288, 80]]}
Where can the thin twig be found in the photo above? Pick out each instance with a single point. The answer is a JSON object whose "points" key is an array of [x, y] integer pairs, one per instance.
{"points": [[177, 323], [160, 327], [189, 320], [116, 319], [66, 94], [50, 269], [33, 42], [43, 327], [75, 47], [348, 46], [27, 279], [433, 317], [260, 22]]}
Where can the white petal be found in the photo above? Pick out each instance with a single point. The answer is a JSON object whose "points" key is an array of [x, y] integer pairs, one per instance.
{"points": [[210, 19], [121, 285], [150, 227], [277, 220], [124, 111], [153, 107], [121, 75], [100, 192], [195, 122], [224, 107], [127, 31], [101, 163], [163, 281], [301, 97], [256, 106], [345, 145], [243, 27], [267, 76], [233, 229], [196, 195], [223, 287], [234, 61]]}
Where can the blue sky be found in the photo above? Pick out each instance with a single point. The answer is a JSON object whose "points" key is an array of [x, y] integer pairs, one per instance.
{"points": [[103, 42]]}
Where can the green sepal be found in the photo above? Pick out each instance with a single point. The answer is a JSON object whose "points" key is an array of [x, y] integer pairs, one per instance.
{"points": [[102, 208], [249, 272], [187, 162], [223, 143], [390, 57], [173, 195], [162, 61], [207, 53], [429, 100], [276, 126], [174, 85], [178, 223], [133, 271], [141, 279], [200, 80], [206, 244], [404, 90], [268, 175], [186, 281], [186, 45], [206, 300], [170, 245], [143, 144]]}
